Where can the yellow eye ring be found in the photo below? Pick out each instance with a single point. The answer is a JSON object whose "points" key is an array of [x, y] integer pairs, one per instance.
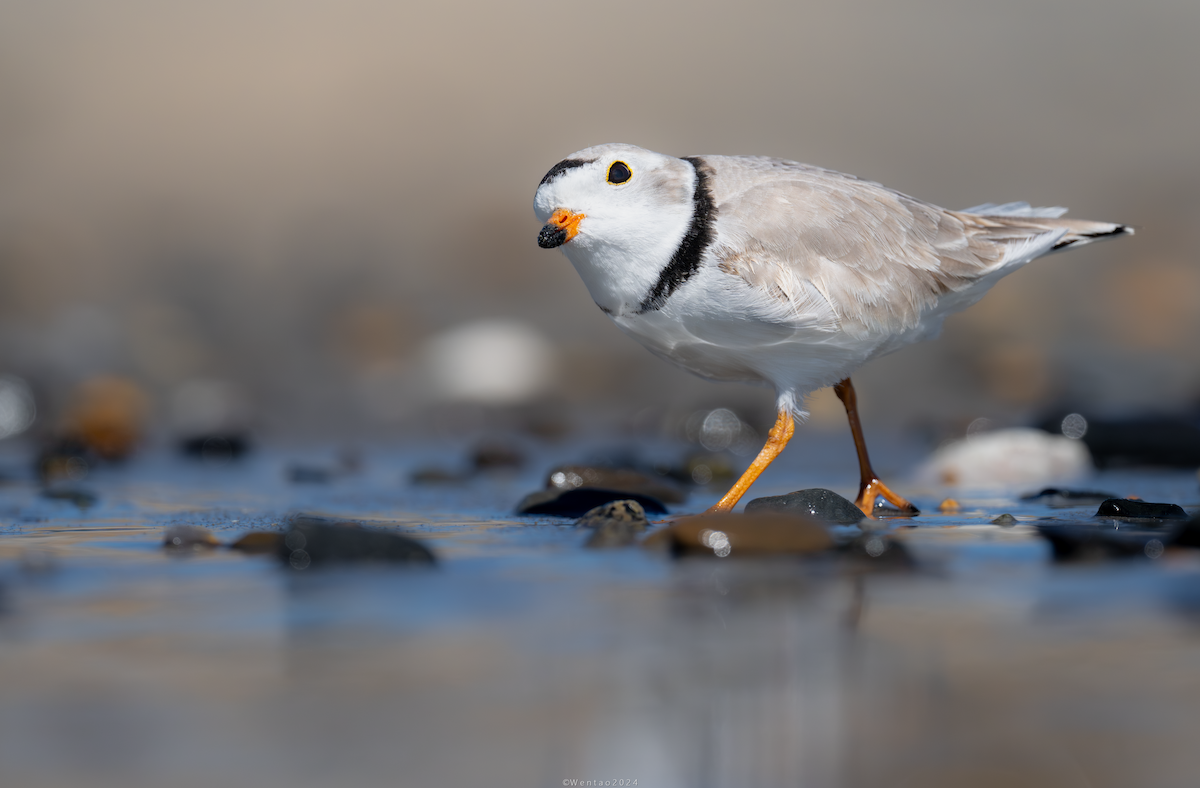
{"points": [[619, 172]]}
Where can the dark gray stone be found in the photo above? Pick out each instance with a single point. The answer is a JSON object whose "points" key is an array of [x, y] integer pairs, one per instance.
{"points": [[579, 501], [825, 505], [496, 456], [312, 541], [615, 524], [215, 447], [1006, 520], [1058, 498], [1142, 510], [631, 480]]}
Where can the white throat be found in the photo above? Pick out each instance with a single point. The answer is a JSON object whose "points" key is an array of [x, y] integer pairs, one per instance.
{"points": [[619, 275]]}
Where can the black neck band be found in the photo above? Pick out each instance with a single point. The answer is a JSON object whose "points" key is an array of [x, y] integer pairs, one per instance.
{"points": [[686, 260]]}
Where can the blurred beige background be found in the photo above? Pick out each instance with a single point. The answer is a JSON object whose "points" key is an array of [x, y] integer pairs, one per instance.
{"points": [[297, 201]]}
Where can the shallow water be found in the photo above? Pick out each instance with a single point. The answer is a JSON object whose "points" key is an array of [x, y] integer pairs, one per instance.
{"points": [[523, 659]]}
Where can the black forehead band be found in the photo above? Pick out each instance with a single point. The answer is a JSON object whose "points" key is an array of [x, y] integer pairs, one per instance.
{"points": [[563, 166]]}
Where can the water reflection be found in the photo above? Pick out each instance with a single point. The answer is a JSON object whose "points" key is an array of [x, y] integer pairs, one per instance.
{"points": [[526, 660]]}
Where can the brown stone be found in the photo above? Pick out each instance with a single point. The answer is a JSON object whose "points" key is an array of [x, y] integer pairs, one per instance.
{"points": [[259, 542], [188, 537], [727, 535]]}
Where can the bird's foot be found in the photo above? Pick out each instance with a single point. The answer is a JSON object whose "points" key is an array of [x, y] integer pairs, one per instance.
{"points": [[873, 489]]}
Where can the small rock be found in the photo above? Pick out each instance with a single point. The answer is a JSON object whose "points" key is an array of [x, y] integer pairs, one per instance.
{"points": [[1007, 457], [824, 505], [188, 537], [615, 524], [760, 533], [948, 506], [1061, 498], [490, 457], [1006, 520], [215, 448], [107, 415], [566, 477], [311, 541], [1089, 542], [84, 499], [1142, 510], [259, 542], [580, 500]]}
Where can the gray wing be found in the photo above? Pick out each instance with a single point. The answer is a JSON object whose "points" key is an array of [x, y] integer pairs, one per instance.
{"points": [[879, 258]]}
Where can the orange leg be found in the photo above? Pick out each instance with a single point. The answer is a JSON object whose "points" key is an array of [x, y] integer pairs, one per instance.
{"points": [[777, 438], [870, 487]]}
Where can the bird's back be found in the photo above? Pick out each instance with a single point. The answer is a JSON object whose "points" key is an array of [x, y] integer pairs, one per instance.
{"points": [[882, 260]]}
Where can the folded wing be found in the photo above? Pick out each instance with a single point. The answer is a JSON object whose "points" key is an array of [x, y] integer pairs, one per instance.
{"points": [[881, 259]]}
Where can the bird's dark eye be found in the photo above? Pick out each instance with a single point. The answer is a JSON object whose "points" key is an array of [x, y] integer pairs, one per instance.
{"points": [[619, 172]]}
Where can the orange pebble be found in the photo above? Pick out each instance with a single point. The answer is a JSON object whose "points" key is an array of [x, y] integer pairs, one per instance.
{"points": [[949, 505]]}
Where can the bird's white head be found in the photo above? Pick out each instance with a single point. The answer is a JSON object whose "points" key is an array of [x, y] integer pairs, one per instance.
{"points": [[618, 212]]}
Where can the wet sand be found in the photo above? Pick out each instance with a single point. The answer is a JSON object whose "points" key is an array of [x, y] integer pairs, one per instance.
{"points": [[523, 659]]}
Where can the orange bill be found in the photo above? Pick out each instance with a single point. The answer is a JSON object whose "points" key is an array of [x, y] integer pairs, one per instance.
{"points": [[562, 227]]}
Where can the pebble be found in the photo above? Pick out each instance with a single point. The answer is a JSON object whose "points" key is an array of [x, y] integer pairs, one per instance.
{"points": [[1142, 510], [312, 541], [725, 535], [949, 505], [1007, 457], [1059, 498], [188, 537], [824, 505], [566, 477], [578, 501], [214, 447], [259, 542], [107, 415], [490, 457], [1006, 520], [615, 524]]}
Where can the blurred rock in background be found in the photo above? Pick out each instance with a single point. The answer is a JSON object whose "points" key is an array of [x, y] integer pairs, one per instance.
{"points": [[318, 204]]}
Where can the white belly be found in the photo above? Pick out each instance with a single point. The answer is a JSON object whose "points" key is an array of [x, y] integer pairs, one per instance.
{"points": [[721, 334]]}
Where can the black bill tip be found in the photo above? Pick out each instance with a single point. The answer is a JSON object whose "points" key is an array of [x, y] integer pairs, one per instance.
{"points": [[551, 236]]}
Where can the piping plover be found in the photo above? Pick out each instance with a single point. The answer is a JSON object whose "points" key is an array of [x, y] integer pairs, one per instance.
{"points": [[770, 271]]}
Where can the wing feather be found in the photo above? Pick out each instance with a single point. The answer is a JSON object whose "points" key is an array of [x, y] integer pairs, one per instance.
{"points": [[881, 259]]}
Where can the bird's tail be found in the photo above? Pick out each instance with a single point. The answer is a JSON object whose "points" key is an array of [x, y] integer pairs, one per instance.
{"points": [[1019, 215]]}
